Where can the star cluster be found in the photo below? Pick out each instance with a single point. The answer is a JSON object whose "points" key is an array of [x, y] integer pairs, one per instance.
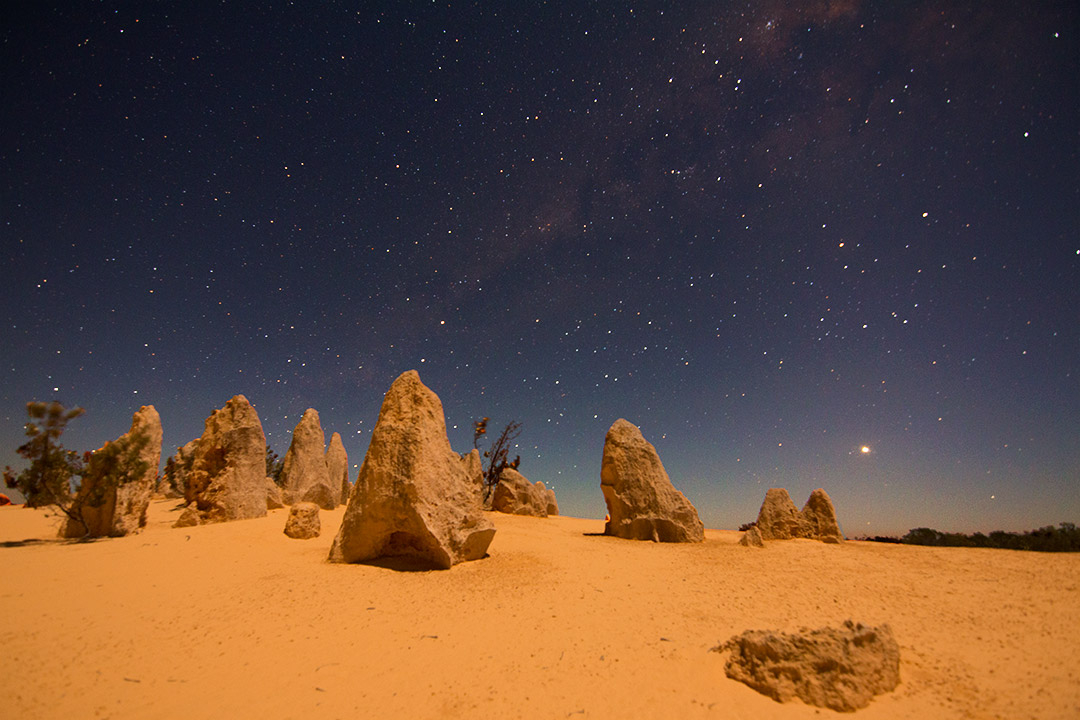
{"points": [[827, 246]]}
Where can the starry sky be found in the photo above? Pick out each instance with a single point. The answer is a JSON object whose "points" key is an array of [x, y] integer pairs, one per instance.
{"points": [[769, 234]]}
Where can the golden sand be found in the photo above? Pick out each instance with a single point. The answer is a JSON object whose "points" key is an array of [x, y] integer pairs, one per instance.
{"points": [[237, 620]]}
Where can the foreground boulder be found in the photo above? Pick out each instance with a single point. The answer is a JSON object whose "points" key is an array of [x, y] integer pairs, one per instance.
{"points": [[228, 475], [413, 497], [305, 463], [778, 518], [337, 468], [303, 522], [109, 509], [515, 495], [642, 503], [838, 668]]}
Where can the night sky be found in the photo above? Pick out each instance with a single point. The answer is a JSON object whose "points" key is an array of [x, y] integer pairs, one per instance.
{"points": [[767, 235]]}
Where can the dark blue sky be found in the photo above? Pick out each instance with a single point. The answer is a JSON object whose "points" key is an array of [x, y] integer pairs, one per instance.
{"points": [[767, 236]]}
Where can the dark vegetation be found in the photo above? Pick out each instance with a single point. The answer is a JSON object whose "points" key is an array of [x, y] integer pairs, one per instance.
{"points": [[50, 480], [496, 455], [273, 466], [1063, 538]]}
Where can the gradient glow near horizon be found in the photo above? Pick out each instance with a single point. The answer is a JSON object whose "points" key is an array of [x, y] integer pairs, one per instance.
{"points": [[832, 246]]}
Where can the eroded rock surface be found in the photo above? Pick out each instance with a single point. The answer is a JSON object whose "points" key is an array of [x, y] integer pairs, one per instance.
{"points": [[474, 470], [274, 500], [515, 495], [413, 497], [752, 538], [838, 668], [177, 468], [189, 517], [305, 463], [642, 503], [819, 518], [303, 522], [778, 518], [337, 468], [228, 475], [111, 509]]}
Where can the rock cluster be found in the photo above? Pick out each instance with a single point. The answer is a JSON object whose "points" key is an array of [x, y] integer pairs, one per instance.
{"points": [[337, 468], [111, 509], [778, 518], [303, 522], [413, 497], [228, 474], [838, 668], [642, 503], [304, 467], [515, 495]]}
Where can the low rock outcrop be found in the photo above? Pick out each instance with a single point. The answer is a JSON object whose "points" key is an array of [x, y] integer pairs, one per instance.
{"points": [[752, 538], [189, 517], [337, 468], [838, 668], [515, 495], [413, 497], [778, 518], [111, 509], [642, 503], [228, 475], [305, 463], [303, 522]]}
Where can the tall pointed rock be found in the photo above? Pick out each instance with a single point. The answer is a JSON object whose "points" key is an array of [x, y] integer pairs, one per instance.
{"points": [[337, 467], [819, 518], [642, 503], [228, 475], [778, 518], [413, 497], [304, 467]]}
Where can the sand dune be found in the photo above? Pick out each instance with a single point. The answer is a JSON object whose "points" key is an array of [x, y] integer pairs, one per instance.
{"points": [[237, 620]]}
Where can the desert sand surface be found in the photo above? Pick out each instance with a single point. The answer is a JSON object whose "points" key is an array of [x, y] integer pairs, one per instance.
{"points": [[238, 620]]}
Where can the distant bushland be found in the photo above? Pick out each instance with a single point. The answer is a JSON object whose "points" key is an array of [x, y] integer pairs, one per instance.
{"points": [[1063, 538]]}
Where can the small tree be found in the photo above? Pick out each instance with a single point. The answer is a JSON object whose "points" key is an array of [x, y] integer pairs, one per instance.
{"points": [[48, 479], [497, 454], [48, 482], [273, 466]]}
